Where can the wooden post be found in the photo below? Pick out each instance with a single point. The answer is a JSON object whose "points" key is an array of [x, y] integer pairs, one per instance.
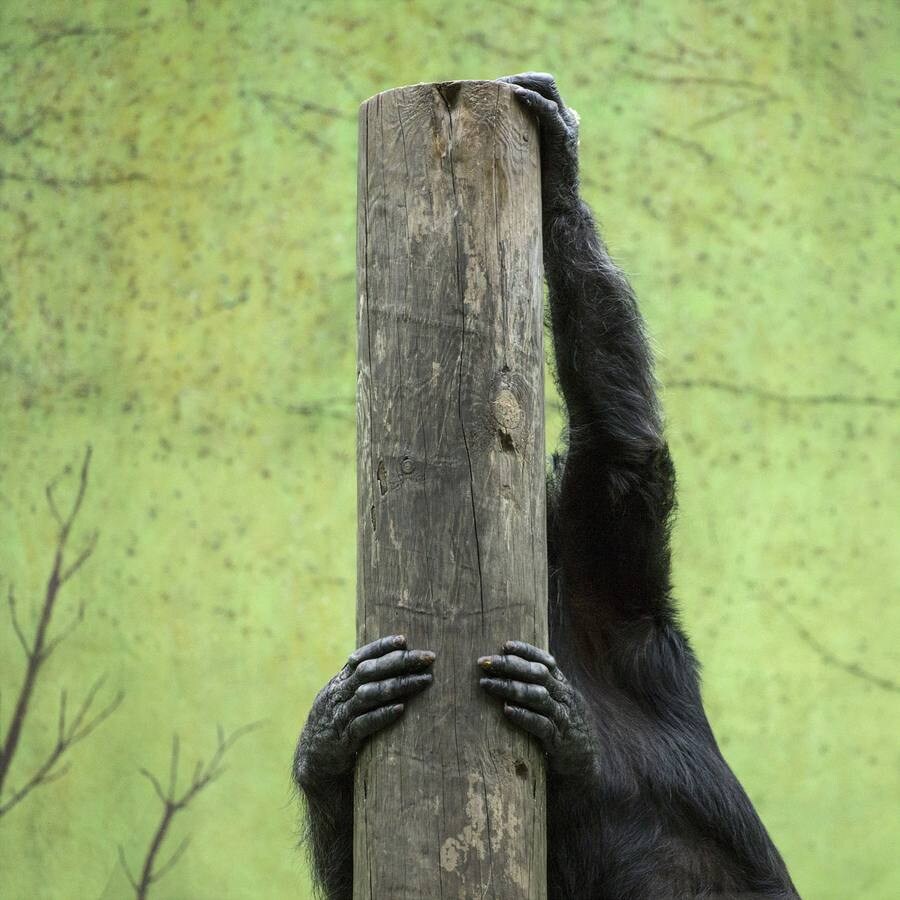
{"points": [[450, 802]]}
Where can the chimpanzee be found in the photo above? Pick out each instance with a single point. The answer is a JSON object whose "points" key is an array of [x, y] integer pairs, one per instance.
{"points": [[641, 804]]}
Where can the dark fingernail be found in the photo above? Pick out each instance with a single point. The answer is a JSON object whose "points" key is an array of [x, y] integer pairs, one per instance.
{"points": [[398, 708], [400, 640], [484, 662], [429, 656]]}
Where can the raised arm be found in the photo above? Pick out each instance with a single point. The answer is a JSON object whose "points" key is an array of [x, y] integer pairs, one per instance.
{"points": [[660, 814], [616, 484]]}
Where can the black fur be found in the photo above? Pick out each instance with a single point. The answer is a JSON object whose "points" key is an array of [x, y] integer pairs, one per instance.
{"points": [[641, 804], [664, 817]]}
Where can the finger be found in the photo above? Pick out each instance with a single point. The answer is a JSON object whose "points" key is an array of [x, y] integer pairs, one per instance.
{"points": [[529, 651], [380, 693], [547, 111], [376, 648], [515, 667], [533, 696], [540, 726], [535, 654], [542, 83], [520, 669], [368, 723], [398, 662]]}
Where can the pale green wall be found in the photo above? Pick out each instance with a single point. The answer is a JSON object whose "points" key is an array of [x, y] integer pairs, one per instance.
{"points": [[177, 209]]}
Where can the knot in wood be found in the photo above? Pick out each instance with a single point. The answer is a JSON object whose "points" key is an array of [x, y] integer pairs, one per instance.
{"points": [[507, 411]]}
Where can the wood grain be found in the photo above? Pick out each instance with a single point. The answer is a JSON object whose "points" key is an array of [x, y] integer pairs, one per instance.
{"points": [[451, 486]]}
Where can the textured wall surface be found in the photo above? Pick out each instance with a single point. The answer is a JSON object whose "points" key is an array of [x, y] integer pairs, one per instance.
{"points": [[177, 207]]}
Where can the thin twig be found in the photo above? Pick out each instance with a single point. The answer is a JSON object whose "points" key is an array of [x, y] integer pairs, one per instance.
{"points": [[82, 558], [124, 863], [51, 502], [834, 399], [15, 622], [830, 659], [167, 866], [156, 785], [66, 632]]}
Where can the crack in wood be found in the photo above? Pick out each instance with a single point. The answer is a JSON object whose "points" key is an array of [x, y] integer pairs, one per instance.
{"points": [[454, 89]]}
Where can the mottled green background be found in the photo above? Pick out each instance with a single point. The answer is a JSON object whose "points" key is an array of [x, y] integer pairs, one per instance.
{"points": [[177, 205]]}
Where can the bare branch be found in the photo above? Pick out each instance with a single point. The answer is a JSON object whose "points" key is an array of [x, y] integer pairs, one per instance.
{"points": [[775, 397], [707, 80], [93, 181], [173, 803], [204, 776], [732, 110], [830, 659], [41, 647]]}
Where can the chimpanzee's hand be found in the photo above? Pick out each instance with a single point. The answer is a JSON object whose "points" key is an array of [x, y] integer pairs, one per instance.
{"points": [[558, 124], [539, 699], [362, 698]]}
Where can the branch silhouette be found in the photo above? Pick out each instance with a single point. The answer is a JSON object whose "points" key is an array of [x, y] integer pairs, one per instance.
{"points": [[38, 650], [173, 803]]}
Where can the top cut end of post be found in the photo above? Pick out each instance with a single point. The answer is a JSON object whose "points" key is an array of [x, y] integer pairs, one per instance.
{"points": [[449, 90]]}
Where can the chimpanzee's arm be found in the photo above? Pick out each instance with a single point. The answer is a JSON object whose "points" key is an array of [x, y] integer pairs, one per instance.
{"points": [[367, 695], [660, 814]]}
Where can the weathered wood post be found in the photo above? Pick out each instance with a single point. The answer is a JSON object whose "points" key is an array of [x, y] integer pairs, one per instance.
{"points": [[452, 549]]}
